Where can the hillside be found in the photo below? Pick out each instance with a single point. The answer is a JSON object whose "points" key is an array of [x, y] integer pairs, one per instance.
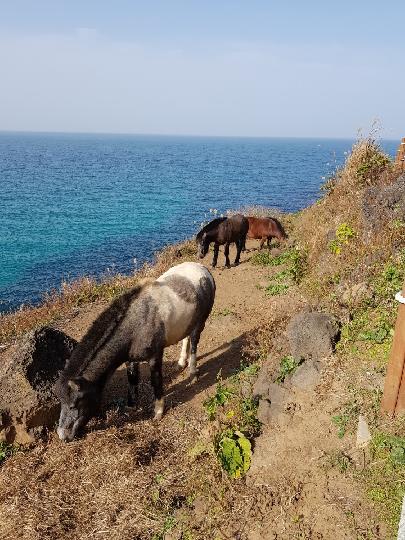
{"points": [[131, 478]]}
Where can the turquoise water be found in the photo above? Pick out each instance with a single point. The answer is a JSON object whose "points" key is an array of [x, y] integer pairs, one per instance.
{"points": [[74, 205]]}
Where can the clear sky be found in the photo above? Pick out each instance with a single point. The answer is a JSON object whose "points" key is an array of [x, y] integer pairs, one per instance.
{"points": [[224, 67]]}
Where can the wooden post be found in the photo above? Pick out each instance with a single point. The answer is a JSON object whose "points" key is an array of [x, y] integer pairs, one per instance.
{"points": [[393, 401], [400, 159]]}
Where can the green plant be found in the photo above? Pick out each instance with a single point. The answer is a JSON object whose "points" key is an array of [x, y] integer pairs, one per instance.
{"points": [[264, 258], [343, 234], [340, 421], [234, 452], [221, 396], [274, 289], [7, 450], [373, 163], [346, 418], [288, 364], [299, 263]]}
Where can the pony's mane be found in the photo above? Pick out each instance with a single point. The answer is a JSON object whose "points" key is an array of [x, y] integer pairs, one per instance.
{"points": [[101, 331], [211, 225], [279, 225]]}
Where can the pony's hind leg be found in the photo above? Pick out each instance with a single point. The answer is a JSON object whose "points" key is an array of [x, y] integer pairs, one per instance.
{"points": [[157, 383], [185, 352], [239, 244], [262, 241], [133, 379], [226, 253], [194, 340]]}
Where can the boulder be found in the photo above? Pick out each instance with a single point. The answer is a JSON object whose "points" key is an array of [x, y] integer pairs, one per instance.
{"points": [[27, 401], [272, 402], [382, 204], [312, 335], [306, 376]]}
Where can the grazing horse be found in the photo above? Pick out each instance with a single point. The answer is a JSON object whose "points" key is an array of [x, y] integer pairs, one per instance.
{"points": [[265, 229], [223, 231], [136, 327]]}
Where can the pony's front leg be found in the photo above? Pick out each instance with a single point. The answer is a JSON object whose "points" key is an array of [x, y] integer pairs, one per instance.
{"points": [[157, 383], [226, 253], [216, 251], [185, 352], [133, 380], [262, 241]]}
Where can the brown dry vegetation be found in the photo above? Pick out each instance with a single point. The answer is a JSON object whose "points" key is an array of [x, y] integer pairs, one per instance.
{"points": [[132, 479]]}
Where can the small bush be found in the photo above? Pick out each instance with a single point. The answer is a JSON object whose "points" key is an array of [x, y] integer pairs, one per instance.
{"points": [[234, 452], [344, 233]]}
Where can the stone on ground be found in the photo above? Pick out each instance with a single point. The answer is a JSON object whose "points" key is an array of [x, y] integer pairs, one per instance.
{"points": [[27, 401], [312, 335]]}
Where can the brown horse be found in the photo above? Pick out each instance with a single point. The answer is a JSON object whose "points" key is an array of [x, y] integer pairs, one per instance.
{"points": [[265, 229], [223, 231]]}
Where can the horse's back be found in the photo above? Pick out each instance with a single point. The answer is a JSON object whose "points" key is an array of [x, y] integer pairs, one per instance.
{"points": [[184, 296]]}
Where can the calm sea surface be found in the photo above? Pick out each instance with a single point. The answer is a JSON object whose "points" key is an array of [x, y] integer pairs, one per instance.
{"points": [[74, 205]]}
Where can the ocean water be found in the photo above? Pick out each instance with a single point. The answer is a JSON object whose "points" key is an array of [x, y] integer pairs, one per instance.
{"points": [[74, 205]]}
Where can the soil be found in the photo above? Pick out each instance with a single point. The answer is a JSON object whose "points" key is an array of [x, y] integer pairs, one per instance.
{"points": [[128, 477]]}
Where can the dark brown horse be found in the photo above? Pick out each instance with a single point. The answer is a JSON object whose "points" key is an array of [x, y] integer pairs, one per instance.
{"points": [[223, 231], [265, 229]]}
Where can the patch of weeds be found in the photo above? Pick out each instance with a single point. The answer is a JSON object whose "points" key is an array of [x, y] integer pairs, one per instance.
{"points": [[234, 452], [7, 450], [344, 233], [275, 289], [339, 460], [264, 258], [378, 334], [373, 163], [385, 477], [346, 418], [397, 224], [222, 312], [299, 265], [168, 525], [288, 364], [390, 280], [220, 398]]}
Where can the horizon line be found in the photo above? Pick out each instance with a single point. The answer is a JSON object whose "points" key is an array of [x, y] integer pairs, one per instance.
{"points": [[184, 135]]}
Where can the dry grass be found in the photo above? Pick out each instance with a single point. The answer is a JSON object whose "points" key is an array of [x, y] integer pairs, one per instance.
{"points": [[72, 296]]}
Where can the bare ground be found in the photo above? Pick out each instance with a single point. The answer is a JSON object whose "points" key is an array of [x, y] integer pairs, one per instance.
{"points": [[131, 478]]}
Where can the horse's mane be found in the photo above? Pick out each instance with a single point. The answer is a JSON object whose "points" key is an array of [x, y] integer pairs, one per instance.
{"points": [[279, 225], [100, 332], [211, 225]]}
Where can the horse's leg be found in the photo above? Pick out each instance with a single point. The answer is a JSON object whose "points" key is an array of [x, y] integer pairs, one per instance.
{"points": [[194, 339], [216, 251], [268, 241], [133, 380], [157, 383], [239, 245], [262, 242], [185, 352], [226, 253]]}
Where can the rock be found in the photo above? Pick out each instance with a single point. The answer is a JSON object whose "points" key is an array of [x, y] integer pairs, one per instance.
{"points": [[382, 204], [312, 335], [27, 401], [356, 294], [363, 433], [306, 376], [272, 404]]}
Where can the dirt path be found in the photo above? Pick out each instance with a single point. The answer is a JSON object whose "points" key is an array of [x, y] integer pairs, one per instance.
{"points": [[128, 476]]}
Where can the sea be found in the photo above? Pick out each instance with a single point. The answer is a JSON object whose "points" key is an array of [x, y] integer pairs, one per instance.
{"points": [[75, 205]]}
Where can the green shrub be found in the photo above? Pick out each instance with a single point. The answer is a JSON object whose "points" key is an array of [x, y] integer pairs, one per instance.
{"points": [[343, 234], [221, 397], [234, 452]]}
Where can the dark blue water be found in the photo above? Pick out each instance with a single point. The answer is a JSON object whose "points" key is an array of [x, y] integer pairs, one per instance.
{"points": [[74, 205]]}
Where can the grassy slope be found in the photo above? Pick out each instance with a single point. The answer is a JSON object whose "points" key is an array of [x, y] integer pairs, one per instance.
{"points": [[189, 497]]}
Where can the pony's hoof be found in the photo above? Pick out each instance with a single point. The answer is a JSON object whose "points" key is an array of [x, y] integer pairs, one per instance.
{"points": [[158, 416], [194, 376]]}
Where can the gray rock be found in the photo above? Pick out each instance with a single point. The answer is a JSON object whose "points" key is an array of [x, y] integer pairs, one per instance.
{"points": [[363, 433], [312, 335], [306, 376], [382, 204], [27, 401], [272, 405]]}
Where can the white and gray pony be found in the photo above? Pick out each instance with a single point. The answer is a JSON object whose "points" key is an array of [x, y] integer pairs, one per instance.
{"points": [[136, 327]]}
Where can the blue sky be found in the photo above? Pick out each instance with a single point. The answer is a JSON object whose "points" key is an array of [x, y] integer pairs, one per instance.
{"points": [[251, 68]]}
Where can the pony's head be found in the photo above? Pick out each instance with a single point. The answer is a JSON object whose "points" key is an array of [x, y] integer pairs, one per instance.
{"points": [[80, 401], [203, 244]]}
